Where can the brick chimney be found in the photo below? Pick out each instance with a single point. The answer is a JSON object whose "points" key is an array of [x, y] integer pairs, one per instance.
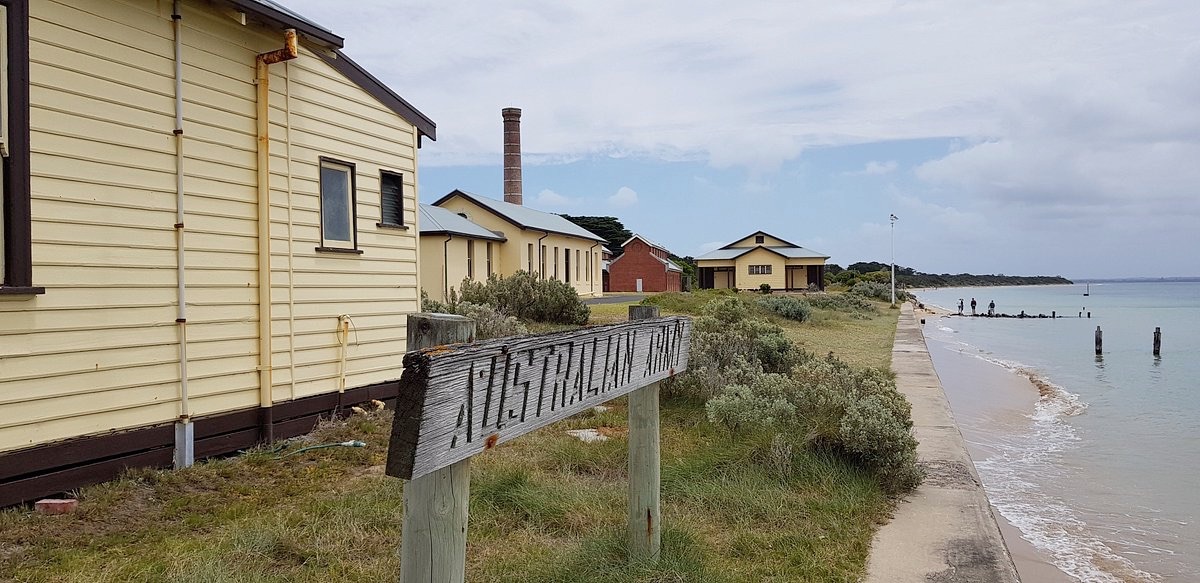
{"points": [[512, 154]]}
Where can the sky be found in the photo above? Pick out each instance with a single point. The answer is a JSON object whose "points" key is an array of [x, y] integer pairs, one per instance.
{"points": [[1017, 137]]}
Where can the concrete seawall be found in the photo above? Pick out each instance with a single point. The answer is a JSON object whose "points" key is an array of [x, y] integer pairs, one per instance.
{"points": [[944, 531]]}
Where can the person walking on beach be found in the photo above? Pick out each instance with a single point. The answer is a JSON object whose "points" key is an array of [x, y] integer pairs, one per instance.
{"points": [[972, 306], [992, 308], [960, 306]]}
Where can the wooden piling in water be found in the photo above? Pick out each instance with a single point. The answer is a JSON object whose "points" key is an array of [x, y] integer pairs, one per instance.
{"points": [[1099, 340], [1157, 340]]}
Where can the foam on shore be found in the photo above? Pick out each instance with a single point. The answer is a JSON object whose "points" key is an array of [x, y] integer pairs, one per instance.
{"points": [[1014, 459]]}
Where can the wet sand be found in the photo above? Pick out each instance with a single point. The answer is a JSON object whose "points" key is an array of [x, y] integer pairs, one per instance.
{"points": [[984, 398]]}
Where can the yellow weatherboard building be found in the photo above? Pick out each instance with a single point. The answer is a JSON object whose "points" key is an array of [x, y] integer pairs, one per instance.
{"points": [[526, 240], [494, 237], [209, 234], [761, 258]]}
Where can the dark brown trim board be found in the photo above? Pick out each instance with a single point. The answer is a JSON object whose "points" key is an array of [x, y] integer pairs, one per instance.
{"points": [[35, 472], [18, 260]]}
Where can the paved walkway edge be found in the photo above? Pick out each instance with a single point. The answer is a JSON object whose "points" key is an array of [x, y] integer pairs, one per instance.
{"points": [[945, 530]]}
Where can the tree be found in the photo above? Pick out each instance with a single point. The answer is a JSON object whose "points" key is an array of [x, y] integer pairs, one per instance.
{"points": [[608, 228], [688, 265]]}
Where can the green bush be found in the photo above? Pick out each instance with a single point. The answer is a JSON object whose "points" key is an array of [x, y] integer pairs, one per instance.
{"points": [[528, 297], [878, 290], [489, 322], [764, 288], [853, 303], [763, 403], [860, 414], [729, 346], [752, 378], [788, 307]]}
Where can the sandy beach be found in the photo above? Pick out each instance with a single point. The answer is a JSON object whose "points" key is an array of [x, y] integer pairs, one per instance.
{"points": [[982, 394]]}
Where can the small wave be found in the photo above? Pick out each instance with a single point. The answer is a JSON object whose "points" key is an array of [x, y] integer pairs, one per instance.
{"points": [[947, 329], [1055, 401]]}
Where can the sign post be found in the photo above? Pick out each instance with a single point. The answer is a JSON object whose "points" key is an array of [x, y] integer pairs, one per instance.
{"points": [[433, 535], [459, 400], [645, 528]]}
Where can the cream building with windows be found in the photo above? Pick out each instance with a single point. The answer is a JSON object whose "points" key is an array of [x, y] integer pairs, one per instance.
{"points": [[208, 235], [762, 258], [523, 239]]}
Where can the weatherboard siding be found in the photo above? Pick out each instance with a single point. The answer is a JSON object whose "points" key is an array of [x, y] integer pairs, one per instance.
{"points": [[768, 240], [99, 350], [760, 257], [512, 255]]}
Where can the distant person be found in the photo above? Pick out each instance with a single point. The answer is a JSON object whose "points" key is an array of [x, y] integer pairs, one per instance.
{"points": [[972, 306], [992, 308], [960, 306]]}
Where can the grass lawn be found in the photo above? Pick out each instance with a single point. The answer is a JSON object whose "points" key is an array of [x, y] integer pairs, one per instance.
{"points": [[545, 507]]}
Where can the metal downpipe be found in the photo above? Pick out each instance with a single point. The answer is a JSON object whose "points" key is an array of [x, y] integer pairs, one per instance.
{"points": [[262, 111]]}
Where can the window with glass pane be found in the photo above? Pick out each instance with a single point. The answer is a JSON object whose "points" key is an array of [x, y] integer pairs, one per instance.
{"points": [[337, 205]]}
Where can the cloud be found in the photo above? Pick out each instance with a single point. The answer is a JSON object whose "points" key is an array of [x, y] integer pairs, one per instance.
{"points": [[748, 85], [624, 197], [875, 167], [549, 198]]}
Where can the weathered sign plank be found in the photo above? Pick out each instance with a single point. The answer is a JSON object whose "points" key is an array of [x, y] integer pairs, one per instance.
{"points": [[456, 401]]}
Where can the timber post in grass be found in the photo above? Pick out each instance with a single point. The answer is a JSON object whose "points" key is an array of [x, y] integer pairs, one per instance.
{"points": [[433, 537], [645, 526], [1157, 340], [460, 400], [1099, 341]]}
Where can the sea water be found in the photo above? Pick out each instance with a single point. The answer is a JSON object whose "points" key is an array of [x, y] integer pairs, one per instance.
{"points": [[1104, 474]]}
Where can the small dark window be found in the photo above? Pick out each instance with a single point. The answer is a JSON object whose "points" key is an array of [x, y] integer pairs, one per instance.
{"points": [[758, 239], [760, 270], [391, 192]]}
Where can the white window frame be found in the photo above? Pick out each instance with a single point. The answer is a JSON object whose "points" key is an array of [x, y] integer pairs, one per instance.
{"points": [[327, 243]]}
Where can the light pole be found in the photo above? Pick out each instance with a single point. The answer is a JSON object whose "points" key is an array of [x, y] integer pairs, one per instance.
{"points": [[894, 219]]}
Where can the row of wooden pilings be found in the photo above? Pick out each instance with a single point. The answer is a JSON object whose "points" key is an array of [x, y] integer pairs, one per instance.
{"points": [[1157, 341]]}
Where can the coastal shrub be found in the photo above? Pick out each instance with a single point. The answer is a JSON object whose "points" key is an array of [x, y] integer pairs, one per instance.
{"points": [[764, 402], [878, 290], [729, 347], [788, 307], [527, 297], [851, 303], [860, 414], [826, 404], [489, 322]]}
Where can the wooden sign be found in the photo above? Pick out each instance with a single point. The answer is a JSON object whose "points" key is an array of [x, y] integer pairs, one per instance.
{"points": [[456, 401]]}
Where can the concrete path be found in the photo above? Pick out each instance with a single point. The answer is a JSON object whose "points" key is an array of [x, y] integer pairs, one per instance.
{"points": [[944, 532]]}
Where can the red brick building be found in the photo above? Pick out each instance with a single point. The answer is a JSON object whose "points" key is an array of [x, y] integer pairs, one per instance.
{"points": [[644, 266]]}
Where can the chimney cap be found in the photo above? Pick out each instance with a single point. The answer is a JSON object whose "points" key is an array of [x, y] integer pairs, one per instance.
{"points": [[511, 112]]}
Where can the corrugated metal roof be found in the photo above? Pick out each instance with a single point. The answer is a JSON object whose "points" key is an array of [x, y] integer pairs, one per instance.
{"points": [[789, 252], [437, 221], [526, 217], [670, 264], [646, 241]]}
